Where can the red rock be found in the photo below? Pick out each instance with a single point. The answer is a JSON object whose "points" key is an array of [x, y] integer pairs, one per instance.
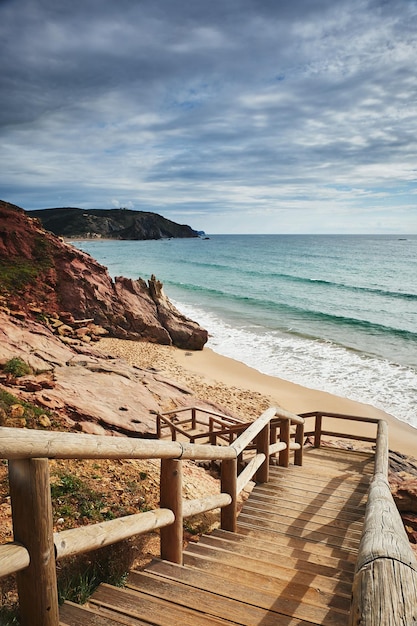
{"points": [[70, 284]]}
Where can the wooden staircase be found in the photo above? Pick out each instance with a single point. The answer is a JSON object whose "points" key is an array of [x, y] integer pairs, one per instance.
{"points": [[290, 562]]}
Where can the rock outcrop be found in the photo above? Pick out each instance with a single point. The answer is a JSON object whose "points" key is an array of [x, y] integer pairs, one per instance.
{"points": [[110, 223], [87, 390], [42, 276]]}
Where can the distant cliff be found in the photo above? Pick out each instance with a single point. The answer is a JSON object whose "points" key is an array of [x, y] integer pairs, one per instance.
{"points": [[110, 224], [41, 276]]}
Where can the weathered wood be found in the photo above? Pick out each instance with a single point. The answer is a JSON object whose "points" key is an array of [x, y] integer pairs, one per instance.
{"points": [[253, 430], [299, 439], [382, 451], [276, 447], [293, 417], [317, 431], [32, 527], [201, 505], [383, 535], [385, 584], [384, 593], [171, 498], [22, 443], [94, 536], [246, 475], [262, 447], [228, 482], [13, 557], [284, 456]]}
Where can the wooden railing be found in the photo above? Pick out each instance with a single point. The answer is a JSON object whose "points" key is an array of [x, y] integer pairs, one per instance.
{"points": [[35, 548], [199, 423], [385, 582]]}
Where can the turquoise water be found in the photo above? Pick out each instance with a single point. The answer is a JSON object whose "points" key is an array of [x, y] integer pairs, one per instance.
{"points": [[336, 313]]}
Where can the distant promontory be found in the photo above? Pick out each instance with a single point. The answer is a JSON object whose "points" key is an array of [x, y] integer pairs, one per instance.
{"points": [[75, 223]]}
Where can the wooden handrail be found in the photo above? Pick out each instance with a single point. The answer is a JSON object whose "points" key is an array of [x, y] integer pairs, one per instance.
{"points": [[13, 558], [28, 452], [385, 583]]}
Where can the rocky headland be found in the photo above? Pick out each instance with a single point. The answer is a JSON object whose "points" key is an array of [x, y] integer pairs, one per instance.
{"points": [[73, 222]]}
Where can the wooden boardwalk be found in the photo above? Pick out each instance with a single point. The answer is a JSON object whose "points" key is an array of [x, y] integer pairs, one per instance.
{"points": [[290, 562]]}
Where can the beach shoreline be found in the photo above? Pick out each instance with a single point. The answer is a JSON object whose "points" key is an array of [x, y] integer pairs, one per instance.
{"points": [[247, 392]]}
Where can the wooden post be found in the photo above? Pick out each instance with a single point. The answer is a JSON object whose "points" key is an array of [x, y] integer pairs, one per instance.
{"points": [[171, 498], [317, 431], [32, 527], [284, 455], [193, 418], [299, 438], [262, 445], [273, 429], [228, 515]]}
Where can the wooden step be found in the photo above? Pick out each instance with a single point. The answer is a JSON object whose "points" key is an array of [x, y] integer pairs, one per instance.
{"points": [[309, 514], [318, 545], [326, 498], [312, 532], [323, 556], [331, 482], [236, 602], [126, 604], [71, 614], [259, 564], [299, 504]]}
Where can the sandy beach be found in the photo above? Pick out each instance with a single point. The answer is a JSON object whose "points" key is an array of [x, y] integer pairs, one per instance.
{"points": [[246, 392]]}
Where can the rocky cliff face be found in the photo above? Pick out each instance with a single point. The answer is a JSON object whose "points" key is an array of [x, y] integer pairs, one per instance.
{"points": [[110, 223], [41, 276]]}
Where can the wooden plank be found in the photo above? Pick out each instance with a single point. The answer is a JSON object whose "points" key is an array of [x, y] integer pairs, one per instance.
{"points": [[345, 481], [330, 509], [271, 503], [133, 603], [317, 532], [308, 560], [300, 533], [318, 496], [308, 514], [75, 615], [261, 570], [261, 592], [241, 612], [306, 544]]}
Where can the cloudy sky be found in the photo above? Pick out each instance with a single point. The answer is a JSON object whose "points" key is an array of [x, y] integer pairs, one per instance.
{"points": [[266, 116]]}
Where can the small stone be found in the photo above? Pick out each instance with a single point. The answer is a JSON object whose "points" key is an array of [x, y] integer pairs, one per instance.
{"points": [[44, 421], [60, 521], [16, 411]]}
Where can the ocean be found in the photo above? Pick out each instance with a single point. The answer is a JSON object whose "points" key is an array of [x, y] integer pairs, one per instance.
{"points": [[330, 312]]}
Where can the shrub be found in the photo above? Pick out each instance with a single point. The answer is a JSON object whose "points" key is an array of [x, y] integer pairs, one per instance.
{"points": [[17, 367]]}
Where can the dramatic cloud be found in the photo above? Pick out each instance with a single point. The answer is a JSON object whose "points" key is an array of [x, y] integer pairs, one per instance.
{"points": [[237, 116]]}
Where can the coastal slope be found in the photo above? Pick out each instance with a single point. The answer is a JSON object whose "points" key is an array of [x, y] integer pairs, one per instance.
{"points": [[41, 276]]}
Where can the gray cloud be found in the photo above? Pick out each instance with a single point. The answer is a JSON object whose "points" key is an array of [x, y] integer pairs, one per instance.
{"points": [[295, 115]]}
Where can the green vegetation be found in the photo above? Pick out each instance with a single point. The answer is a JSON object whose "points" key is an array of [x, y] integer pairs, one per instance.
{"points": [[15, 412], [17, 273], [17, 367], [74, 499], [9, 616], [14, 276]]}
